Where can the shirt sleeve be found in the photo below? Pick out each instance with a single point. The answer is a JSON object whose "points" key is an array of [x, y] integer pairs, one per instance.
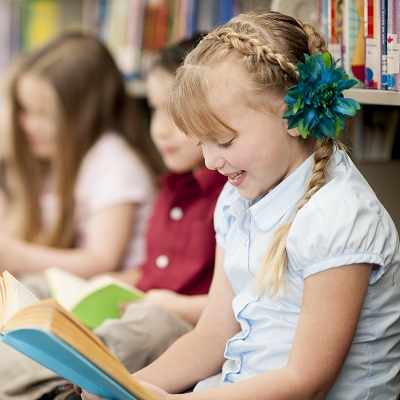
{"points": [[112, 173], [336, 230]]}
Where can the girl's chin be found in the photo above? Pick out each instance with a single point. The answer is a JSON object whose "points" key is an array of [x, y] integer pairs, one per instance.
{"points": [[248, 195]]}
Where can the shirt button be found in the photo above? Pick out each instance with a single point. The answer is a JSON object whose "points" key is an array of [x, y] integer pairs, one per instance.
{"points": [[176, 213], [162, 261]]}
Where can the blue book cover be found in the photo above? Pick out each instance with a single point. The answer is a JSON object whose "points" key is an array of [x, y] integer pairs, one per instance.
{"points": [[54, 354], [49, 334]]}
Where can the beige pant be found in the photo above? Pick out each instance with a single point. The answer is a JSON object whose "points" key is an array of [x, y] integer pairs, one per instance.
{"points": [[139, 337]]}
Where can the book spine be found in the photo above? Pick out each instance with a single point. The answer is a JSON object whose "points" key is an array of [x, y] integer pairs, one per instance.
{"points": [[225, 11], [358, 46], [191, 19], [384, 50], [103, 12], [324, 18], [329, 21], [393, 44], [397, 20], [353, 41], [41, 21], [334, 44], [161, 25], [372, 23]]}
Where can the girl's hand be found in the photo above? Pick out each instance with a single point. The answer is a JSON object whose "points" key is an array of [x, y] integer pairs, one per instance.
{"points": [[89, 396], [86, 395], [165, 299]]}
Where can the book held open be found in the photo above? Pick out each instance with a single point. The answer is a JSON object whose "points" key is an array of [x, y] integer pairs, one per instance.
{"points": [[48, 333], [92, 300]]}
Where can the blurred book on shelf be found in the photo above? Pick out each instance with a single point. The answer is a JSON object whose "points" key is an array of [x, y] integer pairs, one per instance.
{"points": [[132, 29], [393, 45], [365, 36]]}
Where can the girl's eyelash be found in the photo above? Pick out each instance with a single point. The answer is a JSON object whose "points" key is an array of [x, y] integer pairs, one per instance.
{"points": [[220, 145], [225, 145]]}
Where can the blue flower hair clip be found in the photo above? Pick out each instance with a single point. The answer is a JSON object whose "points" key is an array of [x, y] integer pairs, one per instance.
{"points": [[316, 104]]}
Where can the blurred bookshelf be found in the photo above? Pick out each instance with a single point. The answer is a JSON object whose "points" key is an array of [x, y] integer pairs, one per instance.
{"points": [[134, 30]]}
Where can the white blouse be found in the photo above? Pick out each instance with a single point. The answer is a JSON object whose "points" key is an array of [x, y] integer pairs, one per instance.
{"points": [[343, 223]]}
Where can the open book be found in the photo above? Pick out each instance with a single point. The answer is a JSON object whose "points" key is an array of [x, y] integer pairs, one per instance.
{"points": [[49, 334], [93, 300]]}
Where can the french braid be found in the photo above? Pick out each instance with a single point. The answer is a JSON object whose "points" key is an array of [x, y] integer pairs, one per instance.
{"points": [[256, 54]]}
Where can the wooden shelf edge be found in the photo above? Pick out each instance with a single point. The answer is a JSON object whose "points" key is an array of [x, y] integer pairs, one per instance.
{"points": [[372, 96]]}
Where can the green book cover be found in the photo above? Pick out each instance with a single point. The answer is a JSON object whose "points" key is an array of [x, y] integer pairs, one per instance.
{"points": [[103, 303], [92, 300]]}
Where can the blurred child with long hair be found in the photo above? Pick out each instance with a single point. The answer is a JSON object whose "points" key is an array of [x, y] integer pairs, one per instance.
{"points": [[78, 180]]}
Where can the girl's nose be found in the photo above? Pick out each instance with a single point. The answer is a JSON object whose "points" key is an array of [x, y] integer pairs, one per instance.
{"points": [[212, 158]]}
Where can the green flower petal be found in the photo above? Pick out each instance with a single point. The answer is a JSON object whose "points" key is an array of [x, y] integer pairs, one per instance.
{"points": [[327, 59]]}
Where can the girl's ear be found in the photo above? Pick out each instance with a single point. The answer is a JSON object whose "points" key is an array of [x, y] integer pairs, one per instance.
{"points": [[294, 132]]}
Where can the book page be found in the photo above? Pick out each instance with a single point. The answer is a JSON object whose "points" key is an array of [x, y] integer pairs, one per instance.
{"points": [[64, 286], [15, 296]]}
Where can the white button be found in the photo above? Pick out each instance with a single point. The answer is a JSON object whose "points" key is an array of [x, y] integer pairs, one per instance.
{"points": [[162, 261], [176, 214]]}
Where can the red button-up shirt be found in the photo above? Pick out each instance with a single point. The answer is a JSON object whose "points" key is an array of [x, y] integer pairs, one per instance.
{"points": [[181, 237]]}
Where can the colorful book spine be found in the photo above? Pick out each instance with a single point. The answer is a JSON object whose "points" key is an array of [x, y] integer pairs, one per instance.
{"points": [[336, 20], [373, 45], [352, 48], [161, 25], [384, 50], [7, 50], [190, 18], [324, 20], [393, 45], [358, 58], [41, 20]]}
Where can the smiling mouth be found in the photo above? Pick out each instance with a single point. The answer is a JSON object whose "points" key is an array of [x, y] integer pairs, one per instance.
{"points": [[234, 177]]}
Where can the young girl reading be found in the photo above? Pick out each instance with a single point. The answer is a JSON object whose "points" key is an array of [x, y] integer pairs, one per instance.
{"points": [[78, 180], [305, 298]]}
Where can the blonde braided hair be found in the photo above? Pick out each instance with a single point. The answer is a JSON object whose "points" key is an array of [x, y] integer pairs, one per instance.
{"points": [[273, 269]]}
